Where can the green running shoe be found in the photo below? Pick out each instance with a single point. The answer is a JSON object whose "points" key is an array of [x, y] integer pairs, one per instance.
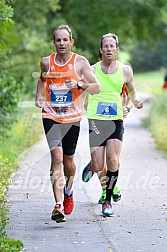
{"points": [[103, 196], [101, 200], [116, 194]]}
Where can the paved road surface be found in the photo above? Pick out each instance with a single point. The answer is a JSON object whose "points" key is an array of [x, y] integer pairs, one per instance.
{"points": [[140, 221]]}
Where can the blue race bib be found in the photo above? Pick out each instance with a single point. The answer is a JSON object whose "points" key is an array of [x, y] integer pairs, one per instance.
{"points": [[106, 109], [60, 98]]}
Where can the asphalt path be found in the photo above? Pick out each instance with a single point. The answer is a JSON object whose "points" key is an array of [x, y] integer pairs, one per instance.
{"points": [[140, 219]]}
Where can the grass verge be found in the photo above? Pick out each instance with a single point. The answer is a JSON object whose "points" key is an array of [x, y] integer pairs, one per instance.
{"points": [[150, 82], [157, 120], [19, 138]]}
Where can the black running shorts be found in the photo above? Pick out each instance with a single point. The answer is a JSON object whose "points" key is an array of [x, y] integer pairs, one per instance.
{"points": [[102, 130], [63, 135]]}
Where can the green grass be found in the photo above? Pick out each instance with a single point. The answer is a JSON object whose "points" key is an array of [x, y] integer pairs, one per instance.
{"points": [[23, 134], [157, 120], [150, 82]]}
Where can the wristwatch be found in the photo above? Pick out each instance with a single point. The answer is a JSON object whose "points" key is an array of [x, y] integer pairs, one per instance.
{"points": [[128, 109], [79, 84]]}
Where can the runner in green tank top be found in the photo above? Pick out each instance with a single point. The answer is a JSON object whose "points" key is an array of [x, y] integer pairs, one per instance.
{"points": [[105, 114], [88, 172]]}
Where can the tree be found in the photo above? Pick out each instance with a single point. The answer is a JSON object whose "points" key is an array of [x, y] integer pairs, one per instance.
{"points": [[34, 28], [6, 27], [135, 20], [145, 58], [8, 86]]}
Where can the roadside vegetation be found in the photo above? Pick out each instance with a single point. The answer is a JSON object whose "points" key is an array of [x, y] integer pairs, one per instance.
{"points": [[24, 133], [157, 121], [152, 82]]}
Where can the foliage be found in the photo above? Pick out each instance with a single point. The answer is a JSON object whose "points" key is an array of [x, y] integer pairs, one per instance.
{"points": [[7, 35], [6, 168], [145, 58], [34, 28], [19, 58], [8, 85], [157, 121], [150, 82], [17, 140], [132, 21], [10, 245], [8, 96]]}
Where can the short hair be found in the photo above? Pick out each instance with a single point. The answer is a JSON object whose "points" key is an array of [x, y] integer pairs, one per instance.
{"points": [[62, 27], [108, 35]]}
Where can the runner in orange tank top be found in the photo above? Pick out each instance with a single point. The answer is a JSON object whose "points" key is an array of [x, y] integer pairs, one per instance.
{"points": [[62, 105], [64, 77]]}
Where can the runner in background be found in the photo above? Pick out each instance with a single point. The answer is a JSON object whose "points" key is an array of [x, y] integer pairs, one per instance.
{"points": [[105, 114], [165, 81], [88, 172]]}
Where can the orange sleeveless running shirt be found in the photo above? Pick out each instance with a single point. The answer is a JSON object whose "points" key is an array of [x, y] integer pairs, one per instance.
{"points": [[62, 105]]}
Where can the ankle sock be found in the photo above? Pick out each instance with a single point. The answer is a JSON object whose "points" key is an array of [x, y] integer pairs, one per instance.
{"points": [[68, 192], [59, 203]]}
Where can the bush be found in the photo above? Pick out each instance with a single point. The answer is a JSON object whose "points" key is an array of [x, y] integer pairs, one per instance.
{"points": [[21, 136], [157, 121], [145, 57]]}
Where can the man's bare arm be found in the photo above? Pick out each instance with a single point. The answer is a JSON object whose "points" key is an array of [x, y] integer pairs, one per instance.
{"points": [[132, 93], [91, 84], [41, 83]]}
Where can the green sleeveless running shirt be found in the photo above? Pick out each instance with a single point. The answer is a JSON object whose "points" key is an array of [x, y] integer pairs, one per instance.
{"points": [[107, 105]]}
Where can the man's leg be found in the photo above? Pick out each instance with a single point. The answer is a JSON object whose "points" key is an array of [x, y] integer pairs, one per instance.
{"points": [[88, 173], [57, 175], [69, 172], [98, 158], [57, 180], [102, 179], [54, 137], [69, 143], [113, 149], [98, 163], [116, 193]]}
